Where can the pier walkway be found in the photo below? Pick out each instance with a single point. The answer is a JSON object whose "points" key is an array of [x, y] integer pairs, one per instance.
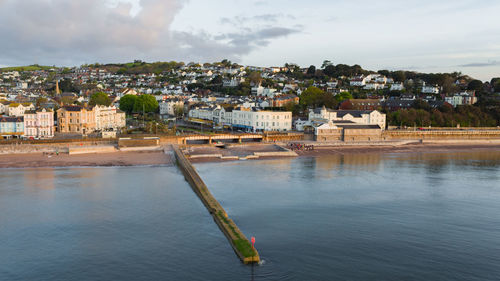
{"points": [[236, 238]]}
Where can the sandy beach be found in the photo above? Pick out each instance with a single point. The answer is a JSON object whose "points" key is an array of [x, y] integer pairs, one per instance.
{"points": [[139, 158], [136, 158]]}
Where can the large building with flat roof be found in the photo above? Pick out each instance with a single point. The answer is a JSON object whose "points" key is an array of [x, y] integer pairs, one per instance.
{"points": [[364, 117], [258, 120]]}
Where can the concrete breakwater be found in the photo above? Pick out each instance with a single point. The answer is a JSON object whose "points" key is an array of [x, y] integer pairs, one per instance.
{"points": [[236, 238]]}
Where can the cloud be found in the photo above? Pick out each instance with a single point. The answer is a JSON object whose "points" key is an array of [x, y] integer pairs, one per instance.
{"points": [[73, 32], [263, 18], [83, 30], [481, 64], [204, 46]]}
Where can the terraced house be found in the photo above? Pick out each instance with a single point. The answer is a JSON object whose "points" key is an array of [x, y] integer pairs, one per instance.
{"points": [[18, 109], [108, 118], [82, 120], [11, 127], [39, 124], [76, 119]]}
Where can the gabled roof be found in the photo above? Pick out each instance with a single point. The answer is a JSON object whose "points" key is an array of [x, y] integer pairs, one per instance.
{"points": [[11, 119], [72, 107]]}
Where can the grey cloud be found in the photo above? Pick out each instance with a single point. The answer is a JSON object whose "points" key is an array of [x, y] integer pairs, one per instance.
{"points": [[72, 32], [481, 64], [85, 30], [259, 37], [267, 18], [229, 45]]}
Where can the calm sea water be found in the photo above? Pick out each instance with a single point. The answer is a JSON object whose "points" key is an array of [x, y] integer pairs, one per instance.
{"points": [[420, 216]]}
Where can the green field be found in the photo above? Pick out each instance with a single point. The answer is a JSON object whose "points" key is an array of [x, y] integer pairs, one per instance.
{"points": [[26, 68]]}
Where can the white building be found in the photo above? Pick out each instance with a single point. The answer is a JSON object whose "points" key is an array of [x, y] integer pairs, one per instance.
{"points": [[365, 117], [358, 81], [231, 82], [223, 116], [4, 106], [202, 112], [169, 107], [109, 118], [262, 120], [22, 85], [18, 109], [261, 91], [463, 98], [430, 90], [397, 87], [39, 124], [373, 86]]}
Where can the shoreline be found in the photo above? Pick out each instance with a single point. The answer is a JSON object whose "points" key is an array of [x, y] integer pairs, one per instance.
{"points": [[382, 149], [162, 157], [408, 148], [117, 159]]}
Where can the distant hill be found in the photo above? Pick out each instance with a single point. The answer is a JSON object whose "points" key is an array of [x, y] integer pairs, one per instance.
{"points": [[138, 67], [33, 67]]}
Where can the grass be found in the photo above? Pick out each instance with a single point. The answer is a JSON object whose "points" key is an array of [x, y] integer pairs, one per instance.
{"points": [[206, 132], [26, 68], [243, 245]]}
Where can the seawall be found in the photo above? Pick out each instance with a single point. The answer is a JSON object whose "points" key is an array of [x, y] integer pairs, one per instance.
{"points": [[236, 238], [441, 134]]}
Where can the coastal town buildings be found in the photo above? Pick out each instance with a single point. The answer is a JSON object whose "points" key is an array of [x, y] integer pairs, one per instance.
{"points": [[171, 107], [39, 124], [11, 127], [213, 93], [76, 119], [108, 118], [330, 132], [364, 117], [463, 98], [430, 90], [253, 119], [283, 100], [17, 109]]}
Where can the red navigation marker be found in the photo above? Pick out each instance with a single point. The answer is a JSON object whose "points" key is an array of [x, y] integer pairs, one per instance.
{"points": [[253, 241]]}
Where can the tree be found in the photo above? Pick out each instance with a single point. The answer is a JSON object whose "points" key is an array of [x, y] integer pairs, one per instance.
{"points": [[399, 76], [311, 70], [66, 85], [127, 103], [146, 103], [343, 96], [40, 101], [217, 80], [68, 100], [329, 70], [421, 104], [99, 98], [316, 97], [496, 86], [255, 78], [179, 110], [475, 85], [326, 63], [346, 105]]}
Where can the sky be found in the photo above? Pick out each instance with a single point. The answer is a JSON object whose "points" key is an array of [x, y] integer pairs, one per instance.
{"points": [[424, 36]]}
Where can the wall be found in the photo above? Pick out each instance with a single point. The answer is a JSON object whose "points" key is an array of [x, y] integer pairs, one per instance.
{"points": [[441, 135]]}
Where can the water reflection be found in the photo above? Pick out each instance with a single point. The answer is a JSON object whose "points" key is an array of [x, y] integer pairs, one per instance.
{"points": [[368, 216], [418, 216]]}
